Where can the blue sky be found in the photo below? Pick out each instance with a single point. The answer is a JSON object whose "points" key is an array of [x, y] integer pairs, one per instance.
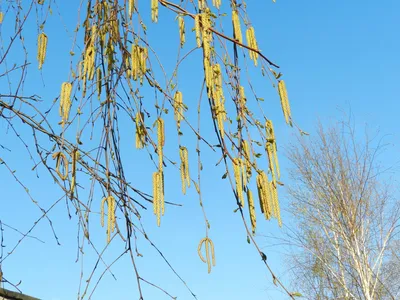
{"points": [[337, 57]]}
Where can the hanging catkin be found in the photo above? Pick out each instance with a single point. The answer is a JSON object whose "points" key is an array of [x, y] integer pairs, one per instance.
{"points": [[271, 149], [98, 82], [181, 24], [252, 43], [131, 8], [178, 108], [154, 11], [140, 135], [216, 3], [252, 211], [284, 102], [197, 30], [42, 48], [209, 247], [158, 195], [236, 26], [110, 200], [61, 158], [65, 102], [237, 166], [75, 157], [247, 161], [184, 168], [160, 142]]}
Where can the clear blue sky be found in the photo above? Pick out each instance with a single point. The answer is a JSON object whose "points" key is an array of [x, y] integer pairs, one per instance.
{"points": [[335, 56]]}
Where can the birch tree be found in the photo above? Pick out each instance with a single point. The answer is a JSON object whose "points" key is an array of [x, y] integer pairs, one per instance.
{"points": [[347, 218]]}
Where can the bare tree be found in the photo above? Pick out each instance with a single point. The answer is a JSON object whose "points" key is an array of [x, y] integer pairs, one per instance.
{"points": [[347, 218]]}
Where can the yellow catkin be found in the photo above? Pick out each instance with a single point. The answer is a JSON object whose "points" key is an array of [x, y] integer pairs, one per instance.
{"points": [[110, 200], [89, 62], [135, 61], [215, 92], [206, 33], [178, 108], [237, 165], [252, 43], [249, 42], [275, 203], [1, 17], [140, 131], [40, 2], [182, 173], [264, 194], [202, 4], [102, 211], [271, 197], [269, 132], [260, 192], [99, 82], [161, 186], [80, 70], [216, 86], [267, 198], [111, 216], [128, 66], [61, 158], [284, 101], [199, 250], [42, 47], [143, 59], [65, 102], [181, 23], [139, 57], [160, 142], [208, 73], [220, 123], [114, 29], [247, 158], [271, 149], [103, 36], [209, 247], [83, 82], [236, 26], [160, 132], [90, 55], [186, 160], [252, 211], [270, 154], [154, 10], [94, 34], [212, 253], [105, 10], [113, 219], [158, 195], [197, 30], [276, 162], [110, 56], [131, 7], [184, 168], [75, 157], [216, 3]]}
